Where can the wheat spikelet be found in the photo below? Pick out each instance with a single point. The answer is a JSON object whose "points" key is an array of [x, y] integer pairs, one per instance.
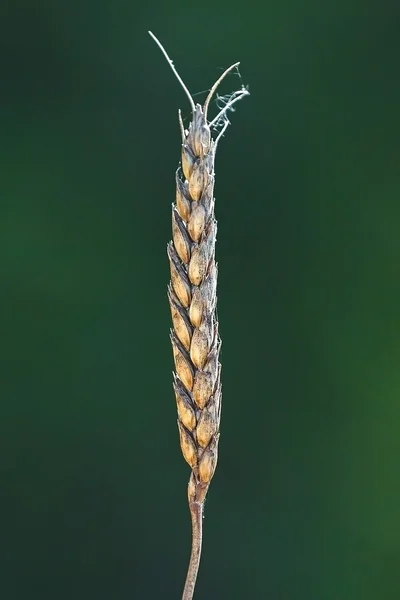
{"points": [[192, 297]]}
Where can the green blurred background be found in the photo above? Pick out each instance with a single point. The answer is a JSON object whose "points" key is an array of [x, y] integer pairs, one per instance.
{"points": [[305, 501]]}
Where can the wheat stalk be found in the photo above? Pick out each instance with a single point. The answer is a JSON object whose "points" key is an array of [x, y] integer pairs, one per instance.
{"points": [[192, 297]]}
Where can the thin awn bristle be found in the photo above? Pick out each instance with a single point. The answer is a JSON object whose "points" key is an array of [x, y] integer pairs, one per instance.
{"points": [[192, 298], [171, 64], [215, 86]]}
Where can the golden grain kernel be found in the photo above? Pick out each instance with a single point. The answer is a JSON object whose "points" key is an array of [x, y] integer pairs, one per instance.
{"points": [[181, 199], [211, 365], [188, 161], [197, 222], [206, 427], [183, 367], [197, 181], [202, 140], [199, 348], [208, 461], [207, 197], [199, 133], [196, 307], [198, 264], [181, 325], [179, 279], [185, 411], [187, 445], [181, 287], [202, 388], [180, 237]]}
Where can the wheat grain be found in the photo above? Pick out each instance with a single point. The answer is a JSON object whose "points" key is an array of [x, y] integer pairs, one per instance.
{"points": [[192, 297]]}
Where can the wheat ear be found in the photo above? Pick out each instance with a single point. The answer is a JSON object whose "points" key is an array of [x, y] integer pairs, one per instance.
{"points": [[192, 298]]}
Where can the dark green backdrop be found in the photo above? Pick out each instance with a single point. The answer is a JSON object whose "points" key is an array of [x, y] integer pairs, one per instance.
{"points": [[305, 501]]}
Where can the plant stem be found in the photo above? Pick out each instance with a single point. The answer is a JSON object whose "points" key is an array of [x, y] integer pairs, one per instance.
{"points": [[196, 513]]}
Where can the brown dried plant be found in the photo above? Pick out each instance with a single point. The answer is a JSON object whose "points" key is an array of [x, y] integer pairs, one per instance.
{"points": [[192, 297]]}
